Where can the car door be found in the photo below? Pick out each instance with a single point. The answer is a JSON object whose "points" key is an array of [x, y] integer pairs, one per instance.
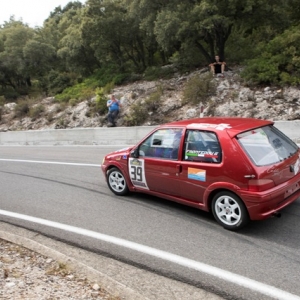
{"points": [[160, 155], [200, 165]]}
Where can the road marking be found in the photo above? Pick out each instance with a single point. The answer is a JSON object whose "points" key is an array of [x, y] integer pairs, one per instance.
{"points": [[50, 162], [189, 263]]}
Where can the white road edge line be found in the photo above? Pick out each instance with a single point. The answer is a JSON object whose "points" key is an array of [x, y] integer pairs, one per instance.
{"points": [[195, 265], [50, 162]]}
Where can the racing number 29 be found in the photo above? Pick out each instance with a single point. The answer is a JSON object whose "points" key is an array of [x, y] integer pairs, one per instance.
{"points": [[136, 173]]}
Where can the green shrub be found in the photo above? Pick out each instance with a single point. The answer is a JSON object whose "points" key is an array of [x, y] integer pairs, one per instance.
{"points": [[74, 102], [101, 102], [138, 114], [2, 100], [153, 101], [58, 82], [61, 123], [153, 73], [260, 71], [11, 95], [110, 73], [276, 62], [99, 106], [108, 88], [199, 89], [80, 91], [21, 109], [36, 111]]}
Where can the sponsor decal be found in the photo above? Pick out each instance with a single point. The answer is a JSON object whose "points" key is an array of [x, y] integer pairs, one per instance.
{"points": [[197, 174], [197, 153], [135, 162], [206, 125]]}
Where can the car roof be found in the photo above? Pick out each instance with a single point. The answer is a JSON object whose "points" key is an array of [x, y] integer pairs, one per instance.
{"points": [[233, 125]]}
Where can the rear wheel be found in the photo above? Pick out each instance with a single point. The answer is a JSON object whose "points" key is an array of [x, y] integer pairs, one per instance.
{"points": [[116, 182], [229, 210]]}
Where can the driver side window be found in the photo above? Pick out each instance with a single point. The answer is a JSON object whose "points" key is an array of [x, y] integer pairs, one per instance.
{"points": [[163, 143]]}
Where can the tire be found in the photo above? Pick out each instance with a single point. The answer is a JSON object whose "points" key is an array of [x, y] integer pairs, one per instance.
{"points": [[116, 182], [229, 211]]}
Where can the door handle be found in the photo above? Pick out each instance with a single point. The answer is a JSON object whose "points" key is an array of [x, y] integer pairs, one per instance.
{"points": [[178, 169]]}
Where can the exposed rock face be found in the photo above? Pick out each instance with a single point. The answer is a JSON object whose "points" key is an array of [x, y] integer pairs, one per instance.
{"points": [[232, 98]]}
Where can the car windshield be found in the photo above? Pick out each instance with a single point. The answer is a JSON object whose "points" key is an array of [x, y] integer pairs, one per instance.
{"points": [[267, 145]]}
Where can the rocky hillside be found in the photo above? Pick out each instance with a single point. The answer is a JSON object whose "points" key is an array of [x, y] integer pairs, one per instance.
{"points": [[231, 98]]}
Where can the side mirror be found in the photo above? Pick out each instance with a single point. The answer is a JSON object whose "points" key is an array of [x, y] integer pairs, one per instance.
{"points": [[134, 153]]}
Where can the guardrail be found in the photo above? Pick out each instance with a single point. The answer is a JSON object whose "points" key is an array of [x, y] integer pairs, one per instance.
{"points": [[105, 136]]}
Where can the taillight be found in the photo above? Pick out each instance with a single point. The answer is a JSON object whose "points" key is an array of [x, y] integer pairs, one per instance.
{"points": [[260, 185]]}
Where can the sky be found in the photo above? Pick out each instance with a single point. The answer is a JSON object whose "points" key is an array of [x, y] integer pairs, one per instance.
{"points": [[32, 12]]}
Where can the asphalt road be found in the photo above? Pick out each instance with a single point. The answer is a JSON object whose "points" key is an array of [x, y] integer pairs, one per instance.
{"points": [[65, 185]]}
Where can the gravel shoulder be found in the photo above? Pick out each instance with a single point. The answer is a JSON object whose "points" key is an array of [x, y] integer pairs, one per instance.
{"points": [[33, 266], [26, 274]]}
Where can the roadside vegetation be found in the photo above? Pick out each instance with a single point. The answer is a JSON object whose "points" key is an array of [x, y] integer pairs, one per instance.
{"points": [[84, 50]]}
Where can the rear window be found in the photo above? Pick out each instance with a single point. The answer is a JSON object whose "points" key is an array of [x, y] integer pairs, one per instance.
{"points": [[267, 145]]}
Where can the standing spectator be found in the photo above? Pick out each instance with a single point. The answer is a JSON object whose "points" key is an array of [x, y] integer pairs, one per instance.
{"points": [[218, 66], [113, 105]]}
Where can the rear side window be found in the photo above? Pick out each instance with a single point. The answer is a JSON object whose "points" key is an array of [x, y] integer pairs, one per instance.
{"points": [[202, 146], [267, 145]]}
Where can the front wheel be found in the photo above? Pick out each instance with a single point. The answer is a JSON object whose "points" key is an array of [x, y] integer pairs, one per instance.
{"points": [[116, 182], [229, 211]]}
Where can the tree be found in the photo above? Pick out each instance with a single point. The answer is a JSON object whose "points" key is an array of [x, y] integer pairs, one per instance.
{"points": [[72, 49], [14, 70], [113, 29], [207, 24]]}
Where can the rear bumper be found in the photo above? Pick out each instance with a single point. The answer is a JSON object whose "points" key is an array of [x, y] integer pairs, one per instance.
{"points": [[266, 204]]}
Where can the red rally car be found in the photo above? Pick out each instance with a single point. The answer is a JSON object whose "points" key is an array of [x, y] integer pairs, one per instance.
{"points": [[240, 169]]}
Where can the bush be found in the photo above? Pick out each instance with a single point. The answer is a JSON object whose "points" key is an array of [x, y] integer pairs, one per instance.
{"points": [[2, 100], [277, 62], [101, 101], [58, 82], [199, 89], [139, 111], [152, 102], [36, 111], [110, 73], [21, 109], [153, 73], [137, 116], [11, 95], [78, 92]]}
